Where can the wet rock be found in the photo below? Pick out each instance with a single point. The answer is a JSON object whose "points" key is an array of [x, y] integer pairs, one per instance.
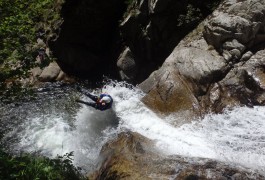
{"points": [[131, 156], [167, 92], [194, 66]]}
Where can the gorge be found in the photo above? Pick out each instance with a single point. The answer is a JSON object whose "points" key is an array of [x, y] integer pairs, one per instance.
{"points": [[188, 91]]}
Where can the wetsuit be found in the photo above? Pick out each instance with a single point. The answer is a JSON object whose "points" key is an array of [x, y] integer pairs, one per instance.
{"points": [[96, 104]]}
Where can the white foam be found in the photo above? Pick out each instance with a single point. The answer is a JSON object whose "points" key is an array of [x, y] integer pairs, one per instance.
{"points": [[237, 136]]}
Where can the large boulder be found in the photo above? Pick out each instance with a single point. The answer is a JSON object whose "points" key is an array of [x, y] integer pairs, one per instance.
{"points": [[130, 157], [218, 72], [152, 29], [220, 64], [243, 85], [50, 73], [168, 92], [235, 27]]}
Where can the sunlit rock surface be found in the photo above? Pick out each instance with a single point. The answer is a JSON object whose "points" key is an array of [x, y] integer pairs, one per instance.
{"points": [[152, 29], [221, 61], [130, 157]]}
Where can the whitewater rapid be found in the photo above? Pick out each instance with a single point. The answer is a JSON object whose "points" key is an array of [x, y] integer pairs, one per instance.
{"points": [[236, 136]]}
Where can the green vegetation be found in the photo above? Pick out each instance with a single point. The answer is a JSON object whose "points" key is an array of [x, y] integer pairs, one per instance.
{"points": [[29, 167], [21, 20], [197, 10]]}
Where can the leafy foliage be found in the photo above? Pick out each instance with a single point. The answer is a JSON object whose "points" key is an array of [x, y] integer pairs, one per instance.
{"points": [[18, 32], [28, 167]]}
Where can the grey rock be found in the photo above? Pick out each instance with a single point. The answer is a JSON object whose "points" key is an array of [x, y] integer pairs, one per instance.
{"points": [[127, 65], [153, 28], [235, 25], [222, 73], [227, 55], [234, 44], [50, 73], [244, 84], [246, 56], [196, 64], [235, 53]]}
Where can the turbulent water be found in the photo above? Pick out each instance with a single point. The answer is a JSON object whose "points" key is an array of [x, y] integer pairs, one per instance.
{"points": [[55, 124]]}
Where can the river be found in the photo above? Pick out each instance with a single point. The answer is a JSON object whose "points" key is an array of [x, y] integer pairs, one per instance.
{"points": [[54, 124]]}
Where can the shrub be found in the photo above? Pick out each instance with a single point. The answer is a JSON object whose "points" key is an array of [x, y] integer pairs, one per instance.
{"points": [[35, 167], [19, 26]]}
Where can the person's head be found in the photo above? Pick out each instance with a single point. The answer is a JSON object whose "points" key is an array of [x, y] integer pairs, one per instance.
{"points": [[105, 100]]}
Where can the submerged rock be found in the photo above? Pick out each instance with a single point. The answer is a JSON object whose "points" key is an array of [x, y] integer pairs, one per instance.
{"points": [[130, 157]]}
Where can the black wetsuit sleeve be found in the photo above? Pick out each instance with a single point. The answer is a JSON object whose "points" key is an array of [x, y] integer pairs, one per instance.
{"points": [[92, 104], [91, 96]]}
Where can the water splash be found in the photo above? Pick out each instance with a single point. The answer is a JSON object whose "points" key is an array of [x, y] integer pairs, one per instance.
{"points": [[236, 136]]}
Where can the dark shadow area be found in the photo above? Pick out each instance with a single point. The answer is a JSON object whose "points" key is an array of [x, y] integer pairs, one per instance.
{"points": [[89, 41], [152, 34]]}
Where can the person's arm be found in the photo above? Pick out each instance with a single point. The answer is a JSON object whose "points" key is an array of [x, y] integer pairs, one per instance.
{"points": [[80, 101], [92, 104], [91, 96]]}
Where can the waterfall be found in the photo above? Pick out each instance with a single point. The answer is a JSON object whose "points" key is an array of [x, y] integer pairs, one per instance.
{"points": [[237, 136]]}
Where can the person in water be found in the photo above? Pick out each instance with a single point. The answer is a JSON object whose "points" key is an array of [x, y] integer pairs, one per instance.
{"points": [[101, 102]]}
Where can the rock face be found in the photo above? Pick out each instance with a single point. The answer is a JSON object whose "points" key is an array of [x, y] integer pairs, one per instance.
{"points": [[236, 27], [221, 62], [243, 85], [50, 73], [130, 157], [94, 34], [152, 29], [126, 64], [168, 93]]}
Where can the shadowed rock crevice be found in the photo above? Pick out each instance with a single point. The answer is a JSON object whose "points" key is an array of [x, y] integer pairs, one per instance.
{"points": [[89, 42], [152, 29]]}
